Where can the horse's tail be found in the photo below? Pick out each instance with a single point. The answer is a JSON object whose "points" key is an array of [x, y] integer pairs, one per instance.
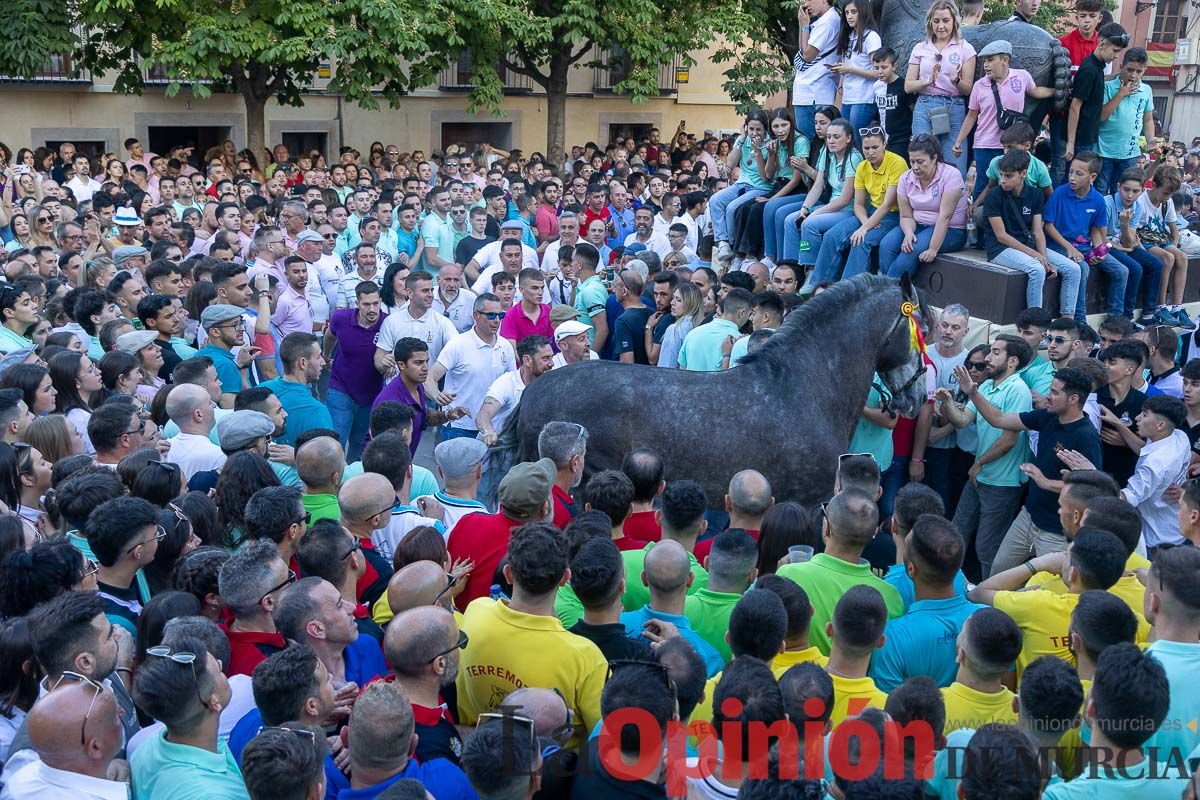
{"points": [[503, 454]]}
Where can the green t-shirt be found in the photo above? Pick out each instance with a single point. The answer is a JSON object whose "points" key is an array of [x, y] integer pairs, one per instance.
{"points": [[709, 611], [871, 438], [1038, 375], [825, 579], [567, 606], [1037, 175], [590, 298], [636, 594], [321, 506], [1011, 397]]}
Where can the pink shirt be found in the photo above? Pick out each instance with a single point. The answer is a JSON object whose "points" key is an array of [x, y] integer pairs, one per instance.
{"points": [[1012, 94], [927, 202], [954, 58], [517, 325], [547, 222], [292, 314]]}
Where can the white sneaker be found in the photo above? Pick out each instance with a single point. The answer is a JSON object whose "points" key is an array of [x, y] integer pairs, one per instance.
{"points": [[737, 264], [724, 252]]}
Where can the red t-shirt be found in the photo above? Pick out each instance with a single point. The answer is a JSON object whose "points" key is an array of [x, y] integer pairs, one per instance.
{"points": [[902, 437], [1079, 47], [484, 539], [642, 525], [629, 543], [248, 649], [589, 215], [703, 548], [563, 504]]}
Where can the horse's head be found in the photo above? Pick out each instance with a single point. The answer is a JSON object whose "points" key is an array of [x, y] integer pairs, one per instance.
{"points": [[901, 360]]}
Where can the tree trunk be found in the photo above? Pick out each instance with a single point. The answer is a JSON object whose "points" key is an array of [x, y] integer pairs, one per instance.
{"points": [[256, 125], [556, 107]]}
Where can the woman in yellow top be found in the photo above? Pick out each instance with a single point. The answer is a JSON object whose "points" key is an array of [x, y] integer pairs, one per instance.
{"points": [[875, 211]]}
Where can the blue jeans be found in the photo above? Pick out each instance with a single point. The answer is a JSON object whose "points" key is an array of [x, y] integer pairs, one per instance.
{"points": [[1145, 276], [351, 420], [774, 221], [859, 258], [957, 106], [1068, 273], [449, 433], [894, 262], [1114, 294], [892, 481], [724, 204], [812, 234], [983, 158], [806, 120], [861, 115], [1111, 170]]}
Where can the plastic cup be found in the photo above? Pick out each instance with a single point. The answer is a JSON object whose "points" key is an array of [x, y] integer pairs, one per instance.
{"points": [[799, 553]]}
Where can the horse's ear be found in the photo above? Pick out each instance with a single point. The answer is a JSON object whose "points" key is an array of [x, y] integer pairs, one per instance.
{"points": [[906, 286]]}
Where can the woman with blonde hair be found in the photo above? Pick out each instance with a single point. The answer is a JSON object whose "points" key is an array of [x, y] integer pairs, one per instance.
{"points": [[941, 72], [41, 227], [54, 438], [687, 307]]}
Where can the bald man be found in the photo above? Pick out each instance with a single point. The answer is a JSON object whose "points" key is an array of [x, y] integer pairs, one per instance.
{"points": [[320, 463], [364, 504], [421, 583], [190, 407], [748, 501], [553, 722], [667, 573], [68, 767], [422, 645]]}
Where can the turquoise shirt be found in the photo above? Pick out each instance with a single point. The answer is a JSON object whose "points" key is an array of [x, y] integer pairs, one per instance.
{"points": [[227, 368], [1142, 781], [837, 172], [922, 642], [1038, 375], [1011, 397], [590, 299], [635, 624], [437, 233], [10, 341], [897, 578], [304, 412], [701, 350], [749, 164], [871, 438], [1037, 176], [950, 760], [1120, 134], [800, 149], [1179, 660], [164, 770], [741, 349]]}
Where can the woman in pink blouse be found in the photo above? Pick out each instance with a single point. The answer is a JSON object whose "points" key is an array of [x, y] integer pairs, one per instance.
{"points": [[941, 72], [933, 211]]}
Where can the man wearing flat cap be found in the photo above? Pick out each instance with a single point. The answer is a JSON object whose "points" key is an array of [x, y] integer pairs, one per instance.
{"points": [[223, 325], [245, 430]]}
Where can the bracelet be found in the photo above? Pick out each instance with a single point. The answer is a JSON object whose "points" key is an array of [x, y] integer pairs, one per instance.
{"points": [[1032, 568], [918, 460]]}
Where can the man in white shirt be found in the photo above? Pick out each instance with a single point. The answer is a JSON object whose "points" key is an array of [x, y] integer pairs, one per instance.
{"points": [[573, 344], [366, 268], [1162, 463], [76, 731], [190, 407], [83, 186], [694, 217], [487, 258], [643, 234], [568, 234], [417, 319], [460, 465], [451, 300], [471, 362], [536, 359]]}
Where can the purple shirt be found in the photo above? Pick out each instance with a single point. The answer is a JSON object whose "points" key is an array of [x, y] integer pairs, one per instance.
{"points": [[397, 392], [353, 372], [517, 325]]}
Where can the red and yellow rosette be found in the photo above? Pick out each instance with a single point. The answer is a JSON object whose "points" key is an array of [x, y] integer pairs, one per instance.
{"points": [[916, 339]]}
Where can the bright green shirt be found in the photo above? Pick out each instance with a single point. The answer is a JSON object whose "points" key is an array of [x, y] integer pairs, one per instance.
{"points": [[709, 611], [321, 506], [825, 579], [636, 594], [701, 350], [567, 606], [871, 438], [1038, 375], [164, 770], [1011, 397]]}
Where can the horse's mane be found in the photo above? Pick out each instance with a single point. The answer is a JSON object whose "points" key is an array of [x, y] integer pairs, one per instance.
{"points": [[823, 314]]}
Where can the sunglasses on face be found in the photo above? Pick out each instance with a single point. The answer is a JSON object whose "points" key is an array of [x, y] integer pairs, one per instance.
{"points": [[312, 737], [160, 533], [976, 365], [291, 578], [491, 315]]}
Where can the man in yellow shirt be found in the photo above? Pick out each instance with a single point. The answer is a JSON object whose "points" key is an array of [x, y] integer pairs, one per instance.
{"points": [[1094, 560], [796, 647], [520, 642], [988, 645], [855, 632]]}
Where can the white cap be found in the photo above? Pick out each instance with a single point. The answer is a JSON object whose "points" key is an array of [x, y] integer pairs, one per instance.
{"points": [[570, 328]]}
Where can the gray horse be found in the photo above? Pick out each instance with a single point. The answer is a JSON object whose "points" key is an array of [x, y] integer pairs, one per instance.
{"points": [[788, 410], [902, 26]]}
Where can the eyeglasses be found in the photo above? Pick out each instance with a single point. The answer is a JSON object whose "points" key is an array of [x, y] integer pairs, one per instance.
{"points": [[329, 235], [354, 548], [160, 533], [461, 644], [99, 687], [976, 365], [507, 721], [1057, 339], [291, 578], [40, 220], [307, 518], [491, 315], [458, 211], [141, 428], [162, 651], [311, 736]]}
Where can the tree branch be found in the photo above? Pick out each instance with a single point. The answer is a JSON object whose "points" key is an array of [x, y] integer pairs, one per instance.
{"points": [[583, 51], [530, 70]]}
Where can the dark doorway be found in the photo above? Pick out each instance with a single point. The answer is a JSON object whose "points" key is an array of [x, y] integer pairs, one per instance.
{"points": [[301, 142], [91, 149], [161, 138], [624, 130], [473, 134]]}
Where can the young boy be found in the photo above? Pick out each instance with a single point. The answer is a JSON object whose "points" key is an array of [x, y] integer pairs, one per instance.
{"points": [[895, 105], [1128, 114], [1002, 83], [1013, 234], [1160, 234], [1077, 226], [1018, 137], [1125, 216], [972, 12], [1087, 92], [504, 286], [1080, 44]]}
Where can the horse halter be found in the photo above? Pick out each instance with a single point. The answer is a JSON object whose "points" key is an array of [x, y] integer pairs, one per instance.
{"points": [[908, 312]]}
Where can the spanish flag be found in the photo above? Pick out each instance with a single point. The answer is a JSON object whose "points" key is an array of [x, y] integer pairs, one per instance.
{"points": [[1162, 59]]}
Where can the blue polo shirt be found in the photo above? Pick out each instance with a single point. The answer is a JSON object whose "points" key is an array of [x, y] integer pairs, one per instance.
{"points": [[247, 728], [922, 642], [227, 368], [871, 438], [167, 771], [1075, 216], [701, 350], [443, 780], [634, 622], [898, 579], [364, 661], [304, 412]]}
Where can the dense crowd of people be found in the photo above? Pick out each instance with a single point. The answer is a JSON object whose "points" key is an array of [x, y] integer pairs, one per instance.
{"points": [[224, 573]]}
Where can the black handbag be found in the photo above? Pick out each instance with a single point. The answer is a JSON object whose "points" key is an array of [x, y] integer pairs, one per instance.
{"points": [[1005, 118]]}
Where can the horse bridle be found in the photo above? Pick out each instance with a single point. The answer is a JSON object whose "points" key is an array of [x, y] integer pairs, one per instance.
{"points": [[885, 394]]}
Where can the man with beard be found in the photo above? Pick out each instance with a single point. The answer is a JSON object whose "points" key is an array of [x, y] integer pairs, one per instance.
{"points": [[353, 380], [302, 364], [411, 358], [451, 300], [993, 492], [536, 359], [1062, 344], [573, 346], [422, 645], [933, 439]]}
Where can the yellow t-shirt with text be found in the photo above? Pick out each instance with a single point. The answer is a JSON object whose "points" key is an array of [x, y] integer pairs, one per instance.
{"points": [[1044, 618], [876, 182]]}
